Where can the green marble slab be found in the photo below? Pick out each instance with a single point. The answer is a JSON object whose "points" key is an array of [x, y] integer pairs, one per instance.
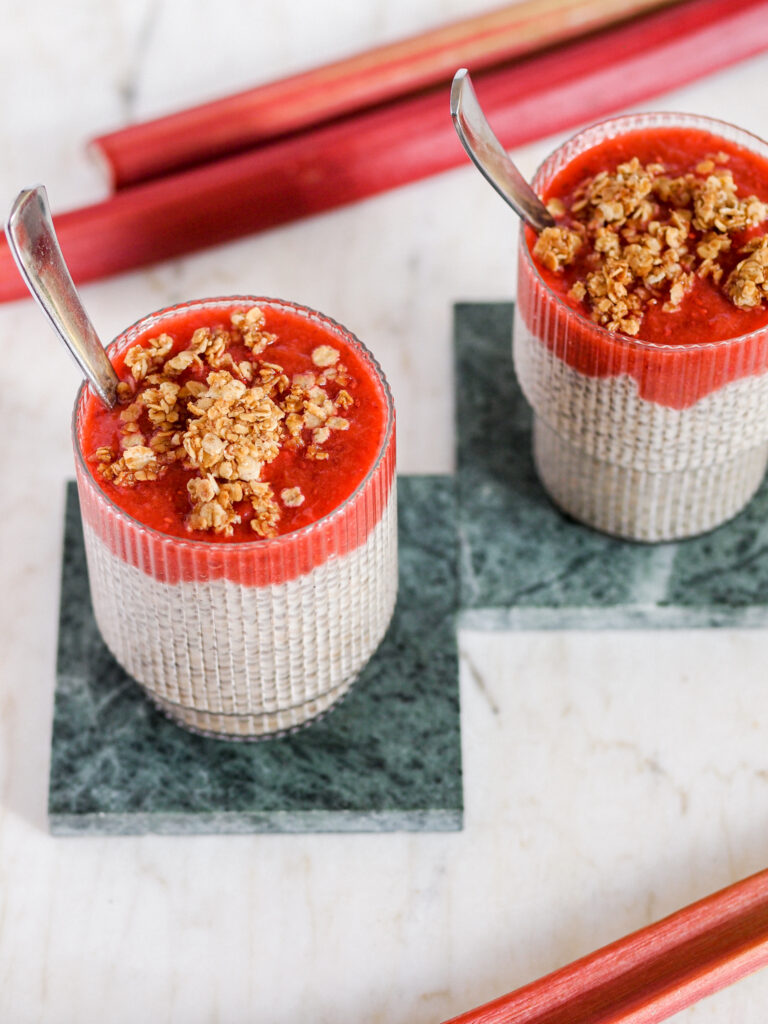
{"points": [[387, 758], [525, 565]]}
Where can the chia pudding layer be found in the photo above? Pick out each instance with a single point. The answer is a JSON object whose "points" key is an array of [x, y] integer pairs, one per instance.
{"points": [[228, 659], [645, 357], [240, 514]]}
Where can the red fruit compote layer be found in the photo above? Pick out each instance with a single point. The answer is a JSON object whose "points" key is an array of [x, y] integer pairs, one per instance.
{"points": [[239, 510], [641, 335]]}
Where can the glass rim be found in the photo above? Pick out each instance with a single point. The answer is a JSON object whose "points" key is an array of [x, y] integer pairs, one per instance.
{"points": [[637, 120], [285, 539]]}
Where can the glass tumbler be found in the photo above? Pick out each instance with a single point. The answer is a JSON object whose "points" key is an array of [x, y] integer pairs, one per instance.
{"points": [[247, 639], [650, 442]]}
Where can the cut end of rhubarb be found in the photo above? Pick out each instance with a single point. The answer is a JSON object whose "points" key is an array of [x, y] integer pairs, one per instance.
{"points": [[104, 167]]}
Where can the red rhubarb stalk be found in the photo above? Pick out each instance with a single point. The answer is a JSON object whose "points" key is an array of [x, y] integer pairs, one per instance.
{"points": [[235, 123], [401, 142], [653, 973]]}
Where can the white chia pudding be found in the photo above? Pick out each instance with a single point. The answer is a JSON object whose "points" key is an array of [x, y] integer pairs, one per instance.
{"points": [[248, 661]]}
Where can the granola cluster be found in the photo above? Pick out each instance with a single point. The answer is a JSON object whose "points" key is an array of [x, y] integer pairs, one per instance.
{"points": [[646, 236], [224, 419], [747, 284]]}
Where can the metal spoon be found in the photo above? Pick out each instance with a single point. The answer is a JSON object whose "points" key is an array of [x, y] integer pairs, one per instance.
{"points": [[489, 156], [38, 256]]}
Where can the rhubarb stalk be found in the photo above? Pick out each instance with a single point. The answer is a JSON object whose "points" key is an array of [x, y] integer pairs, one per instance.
{"points": [[653, 973], [235, 123], [401, 142]]}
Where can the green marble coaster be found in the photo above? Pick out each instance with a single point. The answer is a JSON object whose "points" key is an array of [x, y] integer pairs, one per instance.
{"points": [[387, 758], [525, 565]]}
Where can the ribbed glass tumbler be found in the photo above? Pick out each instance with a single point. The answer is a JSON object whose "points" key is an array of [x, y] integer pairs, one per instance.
{"points": [[650, 442], [247, 639]]}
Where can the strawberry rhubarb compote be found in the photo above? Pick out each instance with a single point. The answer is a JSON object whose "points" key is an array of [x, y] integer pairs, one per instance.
{"points": [[239, 512], [641, 333]]}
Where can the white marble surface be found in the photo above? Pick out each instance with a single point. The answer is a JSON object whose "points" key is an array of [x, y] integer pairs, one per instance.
{"points": [[609, 778]]}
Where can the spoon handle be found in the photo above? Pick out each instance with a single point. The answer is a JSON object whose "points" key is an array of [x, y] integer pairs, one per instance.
{"points": [[490, 157], [35, 248]]}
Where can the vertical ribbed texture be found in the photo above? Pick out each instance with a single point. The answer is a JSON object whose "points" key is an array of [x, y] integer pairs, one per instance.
{"points": [[646, 441], [244, 640], [228, 658]]}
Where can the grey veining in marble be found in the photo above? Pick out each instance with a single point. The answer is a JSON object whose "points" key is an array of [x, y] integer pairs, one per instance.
{"points": [[526, 565], [387, 758]]}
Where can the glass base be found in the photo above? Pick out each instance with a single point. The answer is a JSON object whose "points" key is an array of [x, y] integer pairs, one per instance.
{"points": [[252, 727], [642, 505]]}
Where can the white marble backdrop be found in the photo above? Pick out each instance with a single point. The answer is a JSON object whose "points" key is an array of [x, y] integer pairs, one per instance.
{"points": [[609, 778]]}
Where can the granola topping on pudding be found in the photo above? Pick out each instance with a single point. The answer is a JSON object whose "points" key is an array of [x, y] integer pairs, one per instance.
{"points": [[640, 237], [226, 404]]}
